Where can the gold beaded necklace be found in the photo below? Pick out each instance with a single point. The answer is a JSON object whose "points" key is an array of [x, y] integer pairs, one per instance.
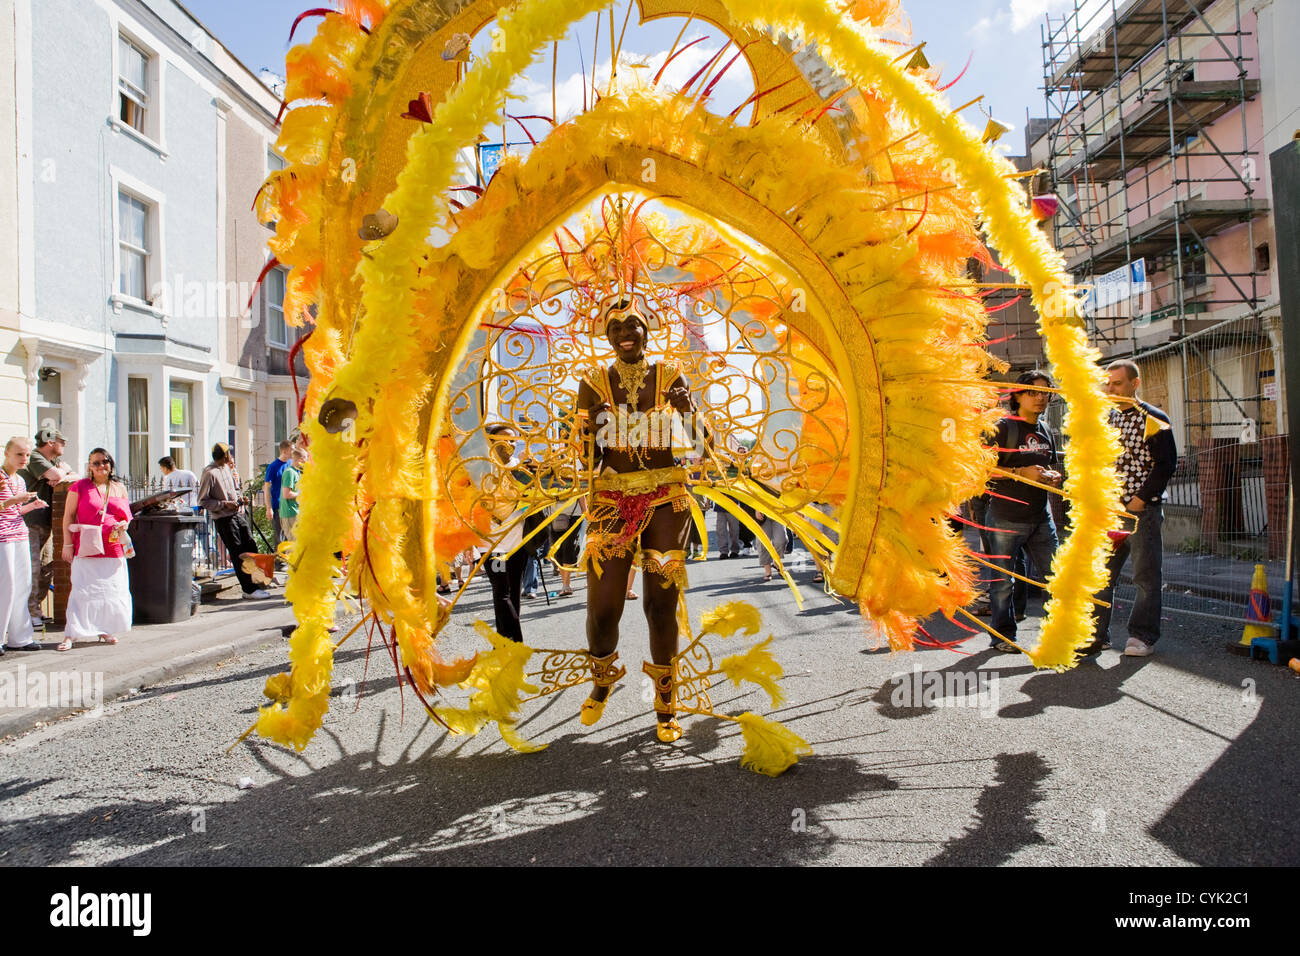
{"points": [[631, 375]]}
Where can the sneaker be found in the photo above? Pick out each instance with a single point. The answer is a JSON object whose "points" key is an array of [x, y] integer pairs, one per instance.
{"points": [[1095, 647], [529, 596], [257, 595], [1020, 616], [1006, 648], [38, 624], [1138, 648]]}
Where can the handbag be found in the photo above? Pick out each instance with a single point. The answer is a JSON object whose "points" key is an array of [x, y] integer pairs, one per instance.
{"points": [[91, 536]]}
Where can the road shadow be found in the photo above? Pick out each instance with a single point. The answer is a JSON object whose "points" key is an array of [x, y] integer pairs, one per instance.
{"points": [[1004, 815], [626, 800]]}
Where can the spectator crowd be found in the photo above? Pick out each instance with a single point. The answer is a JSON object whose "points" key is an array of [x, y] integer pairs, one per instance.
{"points": [[1018, 526]]}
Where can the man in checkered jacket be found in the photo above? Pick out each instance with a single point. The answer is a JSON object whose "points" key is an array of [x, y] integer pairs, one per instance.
{"points": [[1145, 466]]}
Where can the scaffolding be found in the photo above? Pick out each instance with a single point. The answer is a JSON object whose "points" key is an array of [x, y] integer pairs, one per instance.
{"points": [[1153, 110], [1149, 149]]}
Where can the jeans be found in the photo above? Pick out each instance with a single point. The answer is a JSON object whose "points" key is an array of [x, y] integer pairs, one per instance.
{"points": [[1145, 545], [531, 580], [1019, 589], [1038, 539]]}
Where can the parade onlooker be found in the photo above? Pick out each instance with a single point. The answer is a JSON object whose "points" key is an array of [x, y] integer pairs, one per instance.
{"points": [[271, 488], [566, 555], [1018, 512], [1145, 465], [537, 545], [829, 511], [290, 480], [45, 470], [727, 530], [219, 495], [180, 479], [776, 533], [16, 502], [745, 536], [95, 520], [505, 569]]}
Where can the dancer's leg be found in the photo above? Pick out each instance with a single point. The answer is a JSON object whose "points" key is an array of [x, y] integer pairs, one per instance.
{"points": [[605, 600], [668, 531]]}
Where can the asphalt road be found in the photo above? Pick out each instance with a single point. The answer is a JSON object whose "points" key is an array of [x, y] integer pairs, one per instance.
{"points": [[1187, 757]]}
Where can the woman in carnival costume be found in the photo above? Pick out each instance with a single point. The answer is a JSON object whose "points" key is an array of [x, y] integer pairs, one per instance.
{"points": [[640, 508]]}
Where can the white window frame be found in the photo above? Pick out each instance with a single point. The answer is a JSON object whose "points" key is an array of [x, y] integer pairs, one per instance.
{"points": [[128, 90], [153, 134], [267, 309], [270, 152], [155, 263], [184, 440], [127, 249], [288, 420], [126, 417], [270, 168], [160, 375]]}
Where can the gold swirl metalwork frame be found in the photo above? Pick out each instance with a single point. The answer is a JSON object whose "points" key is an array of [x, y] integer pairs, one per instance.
{"points": [[721, 325]]}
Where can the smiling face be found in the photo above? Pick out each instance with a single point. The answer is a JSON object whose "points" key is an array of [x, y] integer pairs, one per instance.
{"points": [[627, 333], [100, 467]]}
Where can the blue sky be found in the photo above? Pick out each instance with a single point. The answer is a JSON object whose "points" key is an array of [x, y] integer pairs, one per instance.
{"points": [[1000, 36]]}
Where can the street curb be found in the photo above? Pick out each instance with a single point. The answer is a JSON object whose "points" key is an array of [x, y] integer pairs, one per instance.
{"points": [[147, 675]]}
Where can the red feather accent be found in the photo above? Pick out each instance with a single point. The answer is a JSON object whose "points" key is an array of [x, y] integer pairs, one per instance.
{"points": [[1007, 305], [313, 12], [270, 264], [708, 65], [723, 72], [829, 104], [675, 55], [757, 96], [924, 209], [520, 124], [961, 74], [299, 400]]}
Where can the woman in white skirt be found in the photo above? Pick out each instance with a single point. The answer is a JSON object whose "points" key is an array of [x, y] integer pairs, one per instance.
{"points": [[15, 558], [94, 525]]}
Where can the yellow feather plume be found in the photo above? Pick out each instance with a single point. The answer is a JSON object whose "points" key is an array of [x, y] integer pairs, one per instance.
{"points": [[758, 666], [725, 619], [770, 748]]}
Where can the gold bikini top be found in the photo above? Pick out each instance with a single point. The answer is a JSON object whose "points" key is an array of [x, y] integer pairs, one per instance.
{"points": [[630, 429]]}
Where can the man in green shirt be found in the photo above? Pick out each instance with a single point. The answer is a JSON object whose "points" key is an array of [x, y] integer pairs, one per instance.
{"points": [[290, 481]]}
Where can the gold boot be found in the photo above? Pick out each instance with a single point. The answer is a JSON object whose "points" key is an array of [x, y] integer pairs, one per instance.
{"points": [[665, 697], [605, 672]]}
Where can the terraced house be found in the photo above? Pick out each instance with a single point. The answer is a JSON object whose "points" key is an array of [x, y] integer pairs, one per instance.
{"points": [[134, 143]]}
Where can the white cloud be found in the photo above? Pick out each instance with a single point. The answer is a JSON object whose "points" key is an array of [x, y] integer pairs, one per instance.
{"points": [[986, 30], [1028, 13], [731, 90]]}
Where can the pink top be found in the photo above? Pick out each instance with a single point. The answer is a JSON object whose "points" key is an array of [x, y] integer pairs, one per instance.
{"points": [[12, 526], [89, 503]]}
